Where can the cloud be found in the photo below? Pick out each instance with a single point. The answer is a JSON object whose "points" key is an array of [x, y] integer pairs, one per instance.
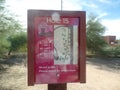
{"points": [[105, 1], [89, 4], [20, 7], [35, 4], [102, 15], [43, 4], [113, 27], [71, 5]]}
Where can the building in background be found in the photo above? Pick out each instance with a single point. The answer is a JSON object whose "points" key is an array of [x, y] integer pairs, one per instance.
{"points": [[111, 40]]}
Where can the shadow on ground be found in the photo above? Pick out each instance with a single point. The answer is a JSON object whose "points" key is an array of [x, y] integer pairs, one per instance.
{"points": [[9, 61], [14, 60], [110, 64]]}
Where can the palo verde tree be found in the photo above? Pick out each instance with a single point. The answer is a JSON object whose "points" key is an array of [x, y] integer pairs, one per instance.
{"points": [[17, 41], [8, 26], [95, 31]]}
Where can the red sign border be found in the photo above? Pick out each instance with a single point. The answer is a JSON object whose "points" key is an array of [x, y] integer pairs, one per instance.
{"points": [[81, 42]]}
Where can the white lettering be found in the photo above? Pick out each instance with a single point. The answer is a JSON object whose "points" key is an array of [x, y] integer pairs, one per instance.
{"points": [[63, 20]]}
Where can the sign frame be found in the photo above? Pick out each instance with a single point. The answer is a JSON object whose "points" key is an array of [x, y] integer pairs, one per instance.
{"points": [[81, 41]]}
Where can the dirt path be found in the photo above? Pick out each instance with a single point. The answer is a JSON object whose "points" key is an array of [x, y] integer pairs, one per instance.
{"points": [[101, 75], [98, 79]]}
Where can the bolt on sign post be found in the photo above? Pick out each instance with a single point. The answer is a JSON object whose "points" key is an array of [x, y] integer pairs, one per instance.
{"points": [[56, 47]]}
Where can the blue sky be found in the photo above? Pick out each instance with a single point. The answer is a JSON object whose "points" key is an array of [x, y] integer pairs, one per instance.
{"points": [[106, 10]]}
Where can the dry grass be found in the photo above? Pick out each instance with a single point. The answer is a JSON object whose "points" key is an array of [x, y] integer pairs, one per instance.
{"points": [[98, 78]]}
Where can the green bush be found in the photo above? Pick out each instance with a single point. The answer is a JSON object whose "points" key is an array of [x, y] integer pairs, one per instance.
{"points": [[18, 42], [110, 51], [117, 51]]}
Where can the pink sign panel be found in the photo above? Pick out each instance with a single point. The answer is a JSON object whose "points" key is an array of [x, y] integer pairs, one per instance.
{"points": [[56, 50]]}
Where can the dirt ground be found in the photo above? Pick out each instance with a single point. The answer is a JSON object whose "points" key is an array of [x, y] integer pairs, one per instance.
{"points": [[102, 74]]}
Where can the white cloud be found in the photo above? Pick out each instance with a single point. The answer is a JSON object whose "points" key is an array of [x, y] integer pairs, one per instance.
{"points": [[34, 4], [20, 7], [105, 1], [113, 27], [91, 5], [71, 5], [43, 4], [102, 15]]}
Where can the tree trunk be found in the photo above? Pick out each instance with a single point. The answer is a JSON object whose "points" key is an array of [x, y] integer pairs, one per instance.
{"points": [[57, 86], [9, 51]]}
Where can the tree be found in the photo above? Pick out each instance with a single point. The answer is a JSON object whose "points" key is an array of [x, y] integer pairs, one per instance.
{"points": [[17, 41], [8, 26], [94, 31]]}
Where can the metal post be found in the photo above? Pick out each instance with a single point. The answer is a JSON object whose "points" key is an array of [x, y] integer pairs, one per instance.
{"points": [[61, 5]]}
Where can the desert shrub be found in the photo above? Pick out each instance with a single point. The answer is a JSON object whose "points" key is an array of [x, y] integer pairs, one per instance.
{"points": [[110, 51], [117, 51]]}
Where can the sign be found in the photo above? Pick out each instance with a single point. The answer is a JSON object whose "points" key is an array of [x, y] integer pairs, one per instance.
{"points": [[55, 47]]}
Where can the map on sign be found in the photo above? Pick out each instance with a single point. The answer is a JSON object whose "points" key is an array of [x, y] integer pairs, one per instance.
{"points": [[65, 44]]}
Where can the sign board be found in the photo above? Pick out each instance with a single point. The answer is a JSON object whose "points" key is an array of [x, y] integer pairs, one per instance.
{"points": [[56, 48]]}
